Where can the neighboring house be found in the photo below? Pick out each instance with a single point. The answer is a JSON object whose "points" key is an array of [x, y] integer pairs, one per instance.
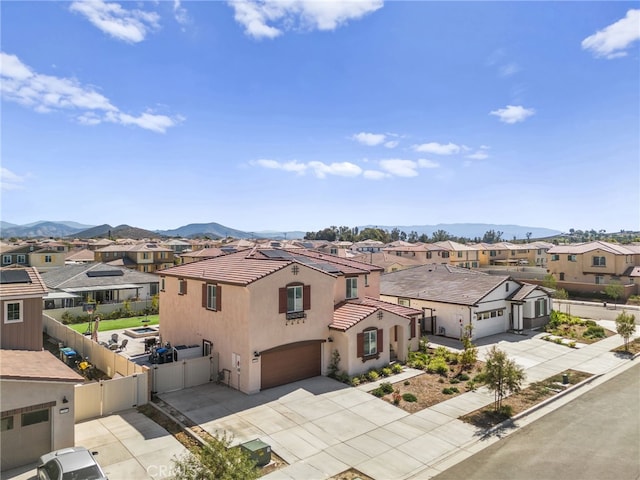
{"points": [[275, 316], [143, 257], [178, 246], [460, 255], [388, 261], [589, 267], [505, 253], [455, 297], [80, 256], [367, 246], [202, 254], [72, 285], [31, 255], [423, 253], [37, 408]]}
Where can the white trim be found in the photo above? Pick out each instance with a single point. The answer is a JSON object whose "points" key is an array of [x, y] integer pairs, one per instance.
{"points": [[6, 312]]}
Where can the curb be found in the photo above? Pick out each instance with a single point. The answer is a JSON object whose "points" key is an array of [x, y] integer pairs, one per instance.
{"points": [[182, 426]]}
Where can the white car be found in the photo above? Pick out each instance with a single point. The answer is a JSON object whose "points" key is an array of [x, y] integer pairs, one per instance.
{"points": [[75, 463]]}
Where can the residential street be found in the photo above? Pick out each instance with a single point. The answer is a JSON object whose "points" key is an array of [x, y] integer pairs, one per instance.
{"points": [[596, 436], [596, 311]]}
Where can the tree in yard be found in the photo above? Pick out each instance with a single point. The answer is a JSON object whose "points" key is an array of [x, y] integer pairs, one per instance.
{"points": [[614, 291], [502, 375], [215, 460], [561, 294], [469, 355], [626, 326], [549, 281]]}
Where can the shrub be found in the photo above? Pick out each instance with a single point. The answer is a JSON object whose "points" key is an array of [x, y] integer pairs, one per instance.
{"points": [[441, 352], [441, 380], [396, 368], [386, 372], [343, 377], [438, 365], [355, 381], [378, 392], [471, 386], [407, 383], [450, 390], [462, 377], [396, 397], [454, 380], [386, 387], [409, 397], [594, 332], [373, 375], [506, 410], [453, 358], [67, 318]]}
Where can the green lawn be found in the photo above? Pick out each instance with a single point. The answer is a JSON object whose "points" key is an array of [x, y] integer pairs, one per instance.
{"points": [[119, 324]]}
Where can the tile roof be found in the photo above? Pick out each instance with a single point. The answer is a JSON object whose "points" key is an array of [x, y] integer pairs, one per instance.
{"points": [[35, 365], [453, 246], [204, 253], [346, 265], [352, 312], [384, 259], [84, 255], [34, 287], [440, 283], [75, 276], [140, 247], [577, 248]]}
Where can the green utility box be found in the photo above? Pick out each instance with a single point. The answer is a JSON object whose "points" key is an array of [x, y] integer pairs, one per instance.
{"points": [[259, 451]]}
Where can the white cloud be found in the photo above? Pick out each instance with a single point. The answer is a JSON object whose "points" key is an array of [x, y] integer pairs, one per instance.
{"points": [[424, 163], [391, 144], [509, 69], [130, 26], [341, 169], [271, 18], [293, 166], [437, 148], [611, 41], [369, 139], [10, 180], [180, 13], [46, 93], [513, 113], [479, 155], [399, 167], [374, 175]]}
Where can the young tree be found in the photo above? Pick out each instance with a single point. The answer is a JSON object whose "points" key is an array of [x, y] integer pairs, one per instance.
{"points": [[626, 326], [502, 375], [614, 291], [469, 355], [215, 460], [561, 294], [549, 281]]}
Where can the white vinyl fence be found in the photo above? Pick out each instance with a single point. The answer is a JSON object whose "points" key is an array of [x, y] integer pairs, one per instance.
{"points": [[128, 387], [169, 377]]}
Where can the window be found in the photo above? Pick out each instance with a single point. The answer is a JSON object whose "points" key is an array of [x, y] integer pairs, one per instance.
{"points": [[352, 287], [370, 342], [366, 280], [162, 284], [22, 259], [459, 254], [429, 255], [474, 264], [211, 299], [506, 287], [6, 259], [539, 251], [571, 258], [163, 255], [405, 302], [294, 299], [541, 307], [445, 254], [562, 276], [31, 418], [490, 314], [145, 256], [492, 253], [599, 279], [555, 257], [334, 251], [599, 262], [13, 311], [182, 286], [6, 424], [47, 259]]}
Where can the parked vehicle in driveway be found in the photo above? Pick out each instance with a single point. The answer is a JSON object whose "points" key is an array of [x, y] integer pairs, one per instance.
{"points": [[76, 463]]}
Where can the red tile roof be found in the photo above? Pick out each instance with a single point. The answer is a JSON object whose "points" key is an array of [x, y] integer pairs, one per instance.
{"points": [[35, 365], [352, 312]]}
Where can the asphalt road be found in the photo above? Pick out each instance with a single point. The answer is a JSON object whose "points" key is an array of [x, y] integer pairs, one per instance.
{"points": [[596, 311], [594, 437]]}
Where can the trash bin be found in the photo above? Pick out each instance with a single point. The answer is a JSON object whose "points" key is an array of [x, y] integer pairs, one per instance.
{"points": [[565, 378], [68, 355]]}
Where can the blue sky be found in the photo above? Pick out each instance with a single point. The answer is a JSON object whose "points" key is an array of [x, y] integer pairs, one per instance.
{"points": [[296, 115]]}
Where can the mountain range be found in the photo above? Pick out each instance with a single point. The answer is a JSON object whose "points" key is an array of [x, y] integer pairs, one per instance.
{"points": [[67, 229]]}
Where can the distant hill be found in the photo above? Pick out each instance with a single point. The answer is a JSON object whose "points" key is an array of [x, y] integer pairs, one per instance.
{"points": [[212, 230], [472, 230], [40, 229], [121, 231]]}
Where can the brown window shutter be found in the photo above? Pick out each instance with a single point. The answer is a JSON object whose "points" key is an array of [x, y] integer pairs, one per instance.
{"points": [[204, 295], [380, 340], [218, 297], [185, 287], [306, 297], [282, 300], [412, 326], [360, 346]]}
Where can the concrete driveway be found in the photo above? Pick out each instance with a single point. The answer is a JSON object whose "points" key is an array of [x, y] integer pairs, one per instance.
{"points": [[129, 445]]}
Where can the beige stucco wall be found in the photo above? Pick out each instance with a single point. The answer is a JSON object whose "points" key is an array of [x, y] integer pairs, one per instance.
{"points": [[583, 271], [38, 260], [17, 394]]}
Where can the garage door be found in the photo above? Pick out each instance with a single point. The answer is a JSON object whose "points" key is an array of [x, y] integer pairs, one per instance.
{"points": [[25, 437], [290, 363]]}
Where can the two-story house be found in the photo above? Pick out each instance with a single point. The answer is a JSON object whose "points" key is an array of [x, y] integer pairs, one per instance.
{"points": [[32, 255], [589, 267], [276, 316], [144, 257], [423, 253], [460, 255], [37, 408]]}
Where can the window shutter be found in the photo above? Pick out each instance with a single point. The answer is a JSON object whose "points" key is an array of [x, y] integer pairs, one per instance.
{"points": [[204, 295], [306, 297], [185, 287], [379, 340], [360, 346], [412, 327], [218, 297], [282, 300]]}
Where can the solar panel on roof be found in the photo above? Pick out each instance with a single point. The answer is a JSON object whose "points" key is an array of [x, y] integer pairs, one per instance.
{"points": [[14, 276], [276, 254], [105, 273]]}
